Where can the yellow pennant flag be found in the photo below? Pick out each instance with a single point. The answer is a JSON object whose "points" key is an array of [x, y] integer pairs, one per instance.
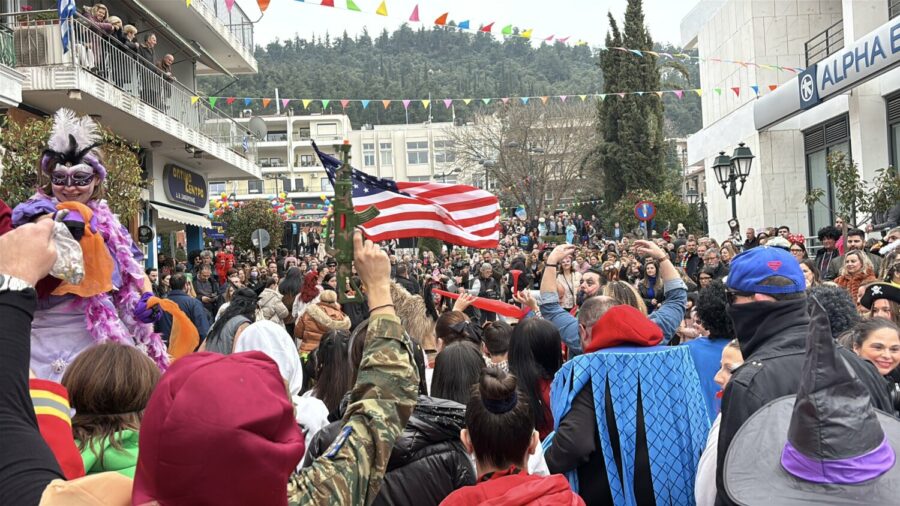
{"points": [[582, 97], [699, 92], [426, 103], [382, 9], [194, 100], [527, 33], [467, 100], [658, 93], [187, 2], [306, 103]]}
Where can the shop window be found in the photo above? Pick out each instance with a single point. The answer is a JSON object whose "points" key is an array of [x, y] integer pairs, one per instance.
{"points": [[819, 142], [255, 186]]}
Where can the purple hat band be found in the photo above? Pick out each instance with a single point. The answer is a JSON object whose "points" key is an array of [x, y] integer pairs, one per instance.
{"points": [[849, 471], [98, 167]]}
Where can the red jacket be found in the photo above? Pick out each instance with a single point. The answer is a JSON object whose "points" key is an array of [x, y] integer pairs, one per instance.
{"points": [[517, 490]]}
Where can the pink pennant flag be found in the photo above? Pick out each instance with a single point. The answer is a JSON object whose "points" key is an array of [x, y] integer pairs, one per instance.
{"points": [[564, 39], [229, 4], [415, 14], [549, 39], [406, 103], [562, 98], [448, 102], [504, 100], [621, 95], [344, 103], [737, 91], [285, 102], [679, 93]]}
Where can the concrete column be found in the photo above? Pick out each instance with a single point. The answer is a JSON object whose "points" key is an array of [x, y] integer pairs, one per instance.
{"points": [[861, 17], [194, 236]]}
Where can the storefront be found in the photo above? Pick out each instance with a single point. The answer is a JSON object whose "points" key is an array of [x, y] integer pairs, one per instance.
{"points": [[179, 203]]}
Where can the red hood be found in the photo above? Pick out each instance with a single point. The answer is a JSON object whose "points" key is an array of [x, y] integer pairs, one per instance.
{"points": [[623, 325], [5, 218], [517, 490]]}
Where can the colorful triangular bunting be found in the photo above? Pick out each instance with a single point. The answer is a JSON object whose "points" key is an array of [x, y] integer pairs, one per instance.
{"points": [[386, 103], [266, 102], [467, 100], [247, 101], [736, 90], [406, 103], [306, 103], [344, 103], [448, 102], [414, 17], [230, 100], [524, 100], [194, 99], [442, 19], [487, 28], [426, 103], [325, 104], [544, 99], [527, 33], [486, 101], [772, 87], [351, 6], [507, 30], [463, 25], [365, 103], [212, 101], [382, 9]]}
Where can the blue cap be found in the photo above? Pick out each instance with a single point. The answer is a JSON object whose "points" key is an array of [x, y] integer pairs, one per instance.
{"points": [[752, 267]]}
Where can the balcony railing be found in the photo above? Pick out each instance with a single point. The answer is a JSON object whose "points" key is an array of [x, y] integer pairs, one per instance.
{"points": [[7, 48], [237, 22], [825, 43], [38, 43]]}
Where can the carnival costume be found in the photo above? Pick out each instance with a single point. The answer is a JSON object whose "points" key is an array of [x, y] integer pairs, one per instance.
{"points": [[110, 304]]}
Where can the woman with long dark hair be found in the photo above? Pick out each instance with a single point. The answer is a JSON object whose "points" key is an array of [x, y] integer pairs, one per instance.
{"points": [[332, 370], [234, 320], [289, 288], [651, 286], [534, 357], [456, 369]]}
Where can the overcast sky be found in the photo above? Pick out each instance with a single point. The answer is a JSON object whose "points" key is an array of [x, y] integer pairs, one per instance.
{"points": [[580, 19]]}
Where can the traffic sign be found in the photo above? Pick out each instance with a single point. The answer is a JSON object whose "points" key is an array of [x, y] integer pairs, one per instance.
{"points": [[260, 238], [644, 210]]}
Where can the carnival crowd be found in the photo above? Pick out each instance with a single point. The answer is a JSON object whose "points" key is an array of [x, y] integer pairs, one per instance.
{"points": [[577, 363]]}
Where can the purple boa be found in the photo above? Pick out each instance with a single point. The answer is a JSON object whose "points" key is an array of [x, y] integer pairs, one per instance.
{"points": [[103, 323]]}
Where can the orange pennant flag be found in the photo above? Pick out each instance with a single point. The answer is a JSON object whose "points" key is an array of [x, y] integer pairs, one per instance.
{"points": [[266, 101], [385, 103], [544, 99], [772, 87], [442, 20], [263, 5]]}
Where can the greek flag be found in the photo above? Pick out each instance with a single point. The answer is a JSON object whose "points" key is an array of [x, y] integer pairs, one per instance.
{"points": [[246, 144], [67, 10]]}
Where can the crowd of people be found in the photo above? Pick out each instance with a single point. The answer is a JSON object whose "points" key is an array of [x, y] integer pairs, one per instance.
{"points": [[587, 368]]}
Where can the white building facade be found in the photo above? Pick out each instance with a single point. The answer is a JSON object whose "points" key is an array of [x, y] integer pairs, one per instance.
{"points": [[183, 141], [855, 108]]}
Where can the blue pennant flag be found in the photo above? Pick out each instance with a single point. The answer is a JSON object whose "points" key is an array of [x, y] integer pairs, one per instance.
{"points": [[365, 103], [463, 25], [247, 101]]}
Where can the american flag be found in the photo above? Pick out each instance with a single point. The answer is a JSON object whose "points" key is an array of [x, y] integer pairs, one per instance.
{"points": [[455, 213]]}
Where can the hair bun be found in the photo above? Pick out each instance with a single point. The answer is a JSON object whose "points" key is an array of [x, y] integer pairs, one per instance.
{"points": [[498, 390]]}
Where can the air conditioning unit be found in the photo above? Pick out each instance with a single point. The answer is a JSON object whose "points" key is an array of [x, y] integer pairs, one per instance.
{"points": [[246, 113]]}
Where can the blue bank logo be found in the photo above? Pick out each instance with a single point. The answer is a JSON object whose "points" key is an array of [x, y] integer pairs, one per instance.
{"points": [[809, 91]]}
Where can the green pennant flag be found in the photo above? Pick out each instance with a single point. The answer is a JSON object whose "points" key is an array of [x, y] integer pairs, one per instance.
{"points": [[718, 91], [325, 104], [507, 30], [212, 101], [351, 6], [486, 101]]}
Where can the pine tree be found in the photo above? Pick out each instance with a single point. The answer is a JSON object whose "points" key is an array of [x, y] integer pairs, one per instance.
{"points": [[631, 151]]}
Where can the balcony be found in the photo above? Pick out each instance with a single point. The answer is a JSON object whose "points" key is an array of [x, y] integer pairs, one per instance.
{"points": [[10, 80], [825, 43], [101, 77], [225, 36]]}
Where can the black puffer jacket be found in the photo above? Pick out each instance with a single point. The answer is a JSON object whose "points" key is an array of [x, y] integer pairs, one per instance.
{"points": [[428, 461]]}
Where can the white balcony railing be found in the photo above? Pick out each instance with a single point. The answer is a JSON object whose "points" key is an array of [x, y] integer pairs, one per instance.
{"points": [[38, 44]]}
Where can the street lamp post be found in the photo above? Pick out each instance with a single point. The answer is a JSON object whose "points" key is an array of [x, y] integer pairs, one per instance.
{"points": [[732, 169]]}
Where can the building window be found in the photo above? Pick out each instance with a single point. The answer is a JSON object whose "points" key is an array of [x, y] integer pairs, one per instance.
{"points": [[326, 130], [443, 152], [216, 188], [298, 184], [255, 186], [386, 154], [893, 118], [819, 142], [326, 185], [307, 161], [276, 136], [417, 153], [368, 151], [419, 179]]}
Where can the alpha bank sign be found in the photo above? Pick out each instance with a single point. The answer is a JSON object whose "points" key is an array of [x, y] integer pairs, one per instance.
{"points": [[866, 58]]}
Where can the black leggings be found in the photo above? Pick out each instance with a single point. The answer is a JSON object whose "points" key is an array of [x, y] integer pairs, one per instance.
{"points": [[27, 465]]}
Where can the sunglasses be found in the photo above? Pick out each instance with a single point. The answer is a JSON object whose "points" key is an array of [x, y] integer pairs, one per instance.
{"points": [[79, 179], [730, 295]]}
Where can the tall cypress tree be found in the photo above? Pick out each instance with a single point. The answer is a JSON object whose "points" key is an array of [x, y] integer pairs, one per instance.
{"points": [[631, 151]]}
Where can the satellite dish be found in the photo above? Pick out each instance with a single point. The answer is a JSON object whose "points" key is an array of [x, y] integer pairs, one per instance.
{"points": [[258, 128]]}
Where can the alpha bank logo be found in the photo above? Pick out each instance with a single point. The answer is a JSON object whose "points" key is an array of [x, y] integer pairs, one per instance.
{"points": [[809, 91]]}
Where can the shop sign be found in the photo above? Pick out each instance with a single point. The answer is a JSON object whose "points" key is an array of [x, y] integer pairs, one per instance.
{"points": [[185, 187]]}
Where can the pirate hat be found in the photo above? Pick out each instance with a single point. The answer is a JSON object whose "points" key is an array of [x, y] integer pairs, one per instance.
{"points": [[827, 445], [880, 290]]}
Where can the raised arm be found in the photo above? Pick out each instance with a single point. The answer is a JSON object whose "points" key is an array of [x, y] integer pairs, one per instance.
{"points": [[669, 314], [550, 308]]}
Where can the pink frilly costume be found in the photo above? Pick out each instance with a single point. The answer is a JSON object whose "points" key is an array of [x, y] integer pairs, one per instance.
{"points": [[66, 325]]}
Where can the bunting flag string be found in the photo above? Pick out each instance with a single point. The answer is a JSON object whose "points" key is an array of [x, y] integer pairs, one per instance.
{"points": [[509, 30], [679, 94]]}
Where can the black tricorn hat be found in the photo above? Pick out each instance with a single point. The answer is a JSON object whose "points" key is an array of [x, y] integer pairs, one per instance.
{"points": [[880, 290], [827, 445]]}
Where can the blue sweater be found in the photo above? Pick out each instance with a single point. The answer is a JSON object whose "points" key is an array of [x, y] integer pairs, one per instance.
{"points": [[707, 355]]}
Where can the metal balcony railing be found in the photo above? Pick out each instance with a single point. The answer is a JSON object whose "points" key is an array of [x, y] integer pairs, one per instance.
{"points": [[7, 48], [237, 22], [37, 43], [893, 8], [825, 43]]}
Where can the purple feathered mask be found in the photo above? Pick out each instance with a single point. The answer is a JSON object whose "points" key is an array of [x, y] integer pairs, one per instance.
{"points": [[72, 142]]}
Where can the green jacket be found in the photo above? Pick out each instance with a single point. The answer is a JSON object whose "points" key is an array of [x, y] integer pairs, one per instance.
{"points": [[122, 461], [387, 386]]}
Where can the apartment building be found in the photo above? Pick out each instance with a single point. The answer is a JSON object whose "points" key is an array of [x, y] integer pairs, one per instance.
{"points": [[847, 99], [184, 142]]}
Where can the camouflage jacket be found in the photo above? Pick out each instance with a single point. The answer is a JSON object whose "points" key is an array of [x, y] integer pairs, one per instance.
{"points": [[352, 469]]}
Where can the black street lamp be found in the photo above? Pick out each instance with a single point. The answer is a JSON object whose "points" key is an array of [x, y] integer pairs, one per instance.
{"points": [[731, 169]]}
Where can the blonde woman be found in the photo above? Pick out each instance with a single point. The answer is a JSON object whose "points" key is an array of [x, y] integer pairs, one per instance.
{"points": [[856, 271]]}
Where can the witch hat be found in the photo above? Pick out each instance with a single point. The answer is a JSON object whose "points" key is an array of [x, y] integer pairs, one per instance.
{"points": [[826, 445]]}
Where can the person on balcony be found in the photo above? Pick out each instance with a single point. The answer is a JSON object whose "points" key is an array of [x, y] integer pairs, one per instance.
{"points": [[150, 85], [110, 304], [165, 66]]}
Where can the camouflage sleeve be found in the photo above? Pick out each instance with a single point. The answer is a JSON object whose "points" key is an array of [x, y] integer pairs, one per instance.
{"points": [[352, 469]]}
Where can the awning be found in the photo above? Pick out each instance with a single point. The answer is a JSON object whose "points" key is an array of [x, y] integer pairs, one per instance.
{"points": [[169, 214]]}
